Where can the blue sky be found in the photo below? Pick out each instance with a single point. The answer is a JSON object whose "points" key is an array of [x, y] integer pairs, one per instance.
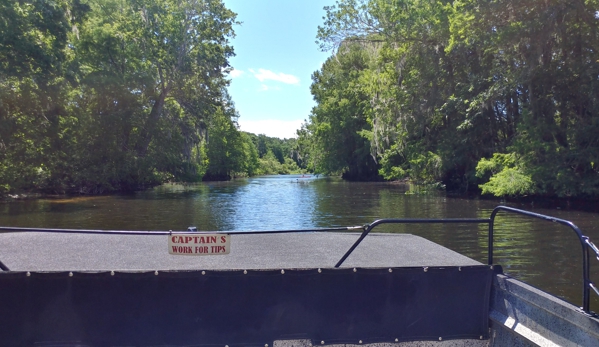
{"points": [[276, 55]]}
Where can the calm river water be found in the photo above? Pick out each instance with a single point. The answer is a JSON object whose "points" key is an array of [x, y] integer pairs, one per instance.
{"points": [[541, 253]]}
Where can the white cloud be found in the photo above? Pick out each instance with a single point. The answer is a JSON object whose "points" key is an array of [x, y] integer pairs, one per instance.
{"points": [[263, 75], [283, 129], [264, 87], [235, 73]]}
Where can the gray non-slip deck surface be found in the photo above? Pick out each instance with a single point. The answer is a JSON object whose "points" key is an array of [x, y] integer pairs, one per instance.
{"points": [[78, 252]]}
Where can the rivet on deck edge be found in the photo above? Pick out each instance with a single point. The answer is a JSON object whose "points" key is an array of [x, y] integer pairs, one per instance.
{"points": [[390, 270], [28, 273], [481, 337], [245, 272], [111, 273], [355, 270], [319, 270], [425, 269], [322, 342], [396, 340], [460, 268], [266, 345], [282, 272], [440, 339], [226, 345], [156, 273], [491, 267], [360, 341], [70, 274], [203, 272]]}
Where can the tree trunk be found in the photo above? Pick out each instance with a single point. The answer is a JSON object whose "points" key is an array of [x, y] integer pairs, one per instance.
{"points": [[148, 129]]}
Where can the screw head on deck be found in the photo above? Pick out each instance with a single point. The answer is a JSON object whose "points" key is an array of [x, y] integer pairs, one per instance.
{"points": [[360, 341], [481, 337], [460, 268], [426, 269], [440, 339], [266, 345], [70, 274], [111, 273], [355, 270], [245, 272], [156, 272], [203, 272], [319, 270], [282, 272], [28, 274], [396, 340], [491, 267], [390, 270], [322, 342]]}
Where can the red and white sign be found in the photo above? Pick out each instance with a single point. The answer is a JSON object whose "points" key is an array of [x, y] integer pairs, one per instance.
{"points": [[201, 244]]}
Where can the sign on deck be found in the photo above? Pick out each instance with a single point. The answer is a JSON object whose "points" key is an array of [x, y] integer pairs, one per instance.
{"points": [[202, 244]]}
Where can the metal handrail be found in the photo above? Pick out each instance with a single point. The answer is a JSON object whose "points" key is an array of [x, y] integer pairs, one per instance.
{"points": [[587, 284], [584, 240], [369, 227], [170, 232], [593, 247]]}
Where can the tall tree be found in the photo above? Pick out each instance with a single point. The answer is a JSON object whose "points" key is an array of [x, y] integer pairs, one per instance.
{"points": [[454, 82], [338, 123], [543, 57], [97, 96], [154, 73], [35, 76]]}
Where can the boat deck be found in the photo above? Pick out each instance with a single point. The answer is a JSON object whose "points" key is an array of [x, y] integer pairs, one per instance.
{"points": [[35, 251], [128, 290], [275, 289]]}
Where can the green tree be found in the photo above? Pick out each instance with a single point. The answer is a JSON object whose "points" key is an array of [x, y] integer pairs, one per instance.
{"points": [[544, 66], [282, 150], [338, 125], [109, 95], [226, 148], [36, 75], [505, 177], [153, 73], [452, 82]]}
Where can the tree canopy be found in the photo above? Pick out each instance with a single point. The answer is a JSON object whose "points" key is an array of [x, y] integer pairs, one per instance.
{"points": [[107, 95], [446, 90], [110, 95]]}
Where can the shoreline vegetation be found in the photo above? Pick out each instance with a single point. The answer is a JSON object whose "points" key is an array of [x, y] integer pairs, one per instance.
{"points": [[480, 99]]}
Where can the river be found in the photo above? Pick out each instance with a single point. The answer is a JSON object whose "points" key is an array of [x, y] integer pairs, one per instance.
{"points": [[541, 253]]}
